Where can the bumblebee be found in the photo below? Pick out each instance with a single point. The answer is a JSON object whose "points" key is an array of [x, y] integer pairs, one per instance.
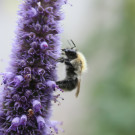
{"points": [[75, 65]]}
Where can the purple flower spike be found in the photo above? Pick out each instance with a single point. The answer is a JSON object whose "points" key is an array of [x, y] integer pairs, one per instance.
{"points": [[23, 120], [41, 122], [29, 84], [36, 105]]}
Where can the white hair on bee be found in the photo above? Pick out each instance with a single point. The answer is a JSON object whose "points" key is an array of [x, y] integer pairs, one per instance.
{"points": [[84, 62]]}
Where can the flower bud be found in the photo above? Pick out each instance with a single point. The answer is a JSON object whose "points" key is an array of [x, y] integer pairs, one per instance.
{"points": [[41, 122], [43, 45], [51, 84], [36, 105], [23, 120], [17, 80], [15, 123]]}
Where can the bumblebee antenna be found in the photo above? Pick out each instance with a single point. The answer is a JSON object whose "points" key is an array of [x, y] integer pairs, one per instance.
{"points": [[69, 42], [73, 44]]}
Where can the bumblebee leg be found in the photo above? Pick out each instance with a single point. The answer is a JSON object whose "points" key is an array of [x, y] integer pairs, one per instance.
{"points": [[61, 60], [64, 60], [68, 84]]}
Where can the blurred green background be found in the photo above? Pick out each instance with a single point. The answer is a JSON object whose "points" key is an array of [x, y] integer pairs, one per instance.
{"points": [[104, 30]]}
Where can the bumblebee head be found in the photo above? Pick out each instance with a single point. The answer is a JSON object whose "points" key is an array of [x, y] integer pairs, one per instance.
{"points": [[70, 53]]}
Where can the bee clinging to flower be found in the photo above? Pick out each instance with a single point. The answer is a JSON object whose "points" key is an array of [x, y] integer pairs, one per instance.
{"points": [[75, 65]]}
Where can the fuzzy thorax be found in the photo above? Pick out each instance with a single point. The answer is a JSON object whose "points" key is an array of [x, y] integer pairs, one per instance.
{"points": [[83, 61]]}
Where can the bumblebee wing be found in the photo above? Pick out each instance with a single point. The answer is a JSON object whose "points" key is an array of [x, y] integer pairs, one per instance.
{"points": [[78, 88]]}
